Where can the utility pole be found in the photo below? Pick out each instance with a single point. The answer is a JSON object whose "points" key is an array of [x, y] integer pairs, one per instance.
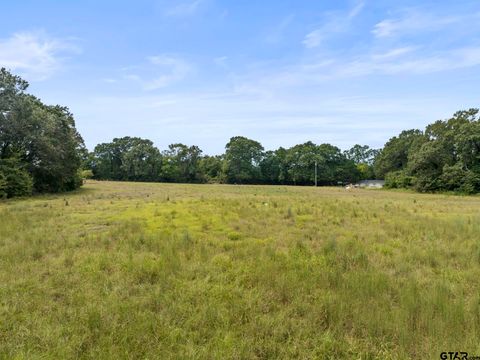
{"points": [[315, 173]]}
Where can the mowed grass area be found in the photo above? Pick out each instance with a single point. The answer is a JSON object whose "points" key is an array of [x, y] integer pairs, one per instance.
{"points": [[159, 271]]}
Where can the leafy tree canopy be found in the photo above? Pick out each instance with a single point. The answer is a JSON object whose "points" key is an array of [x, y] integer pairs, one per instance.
{"points": [[37, 141], [446, 157]]}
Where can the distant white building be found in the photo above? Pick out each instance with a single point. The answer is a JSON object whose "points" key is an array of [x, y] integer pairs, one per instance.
{"points": [[372, 184]]}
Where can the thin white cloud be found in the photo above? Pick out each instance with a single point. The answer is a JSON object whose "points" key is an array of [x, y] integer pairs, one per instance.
{"points": [[276, 33], [414, 21], [402, 61], [314, 38], [394, 53], [221, 61], [163, 71], [418, 65], [185, 9], [132, 77], [35, 55], [335, 23], [174, 69], [356, 9]]}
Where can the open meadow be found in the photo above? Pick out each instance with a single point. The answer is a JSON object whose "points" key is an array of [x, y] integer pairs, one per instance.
{"points": [[158, 271]]}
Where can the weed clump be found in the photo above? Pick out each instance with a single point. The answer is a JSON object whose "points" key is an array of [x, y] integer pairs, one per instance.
{"points": [[233, 235], [289, 214]]}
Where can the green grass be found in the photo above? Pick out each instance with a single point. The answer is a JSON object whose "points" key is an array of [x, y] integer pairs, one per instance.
{"points": [[158, 271]]}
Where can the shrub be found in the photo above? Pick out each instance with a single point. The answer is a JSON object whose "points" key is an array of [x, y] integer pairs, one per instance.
{"points": [[87, 174], [471, 183], [452, 177], [456, 178], [16, 180], [398, 179], [3, 186]]}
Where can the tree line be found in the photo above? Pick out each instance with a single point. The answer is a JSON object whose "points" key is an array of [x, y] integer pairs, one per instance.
{"points": [[41, 151], [245, 161], [443, 157]]}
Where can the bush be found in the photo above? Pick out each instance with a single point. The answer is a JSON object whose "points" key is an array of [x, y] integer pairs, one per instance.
{"points": [[398, 179], [74, 182], [16, 180], [456, 178], [452, 177], [471, 183], [3, 186], [87, 174]]}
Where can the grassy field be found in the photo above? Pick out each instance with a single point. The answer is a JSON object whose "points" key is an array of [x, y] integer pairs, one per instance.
{"points": [[158, 271]]}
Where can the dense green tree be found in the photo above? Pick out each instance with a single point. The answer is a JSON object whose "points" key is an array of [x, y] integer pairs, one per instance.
{"points": [[301, 163], [210, 169], [42, 138], [450, 159], [127, 158], [242, 160], [11, 86], [107, 163], [142, 162], [467, 144], [87, 159], [270, 168], [333, 167], [446, 157], [452, 178], [361, 154], [54, 155], [395, 154], [137, 159], [16, 125], [282, 155], [181, 164], [364, 158], [14, 178], [365, 171], [427, 164]]}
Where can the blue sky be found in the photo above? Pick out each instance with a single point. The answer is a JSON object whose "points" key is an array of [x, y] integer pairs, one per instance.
{"points": [[280, 72]]}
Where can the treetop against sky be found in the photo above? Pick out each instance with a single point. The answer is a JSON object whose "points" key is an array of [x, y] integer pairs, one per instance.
{"points": [[282, 72]]}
